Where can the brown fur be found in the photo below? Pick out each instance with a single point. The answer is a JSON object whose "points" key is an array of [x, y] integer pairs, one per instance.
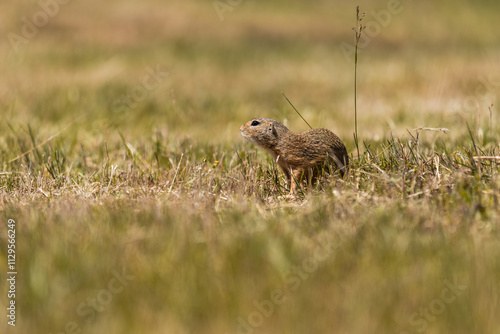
{"points": [[300, 155]]}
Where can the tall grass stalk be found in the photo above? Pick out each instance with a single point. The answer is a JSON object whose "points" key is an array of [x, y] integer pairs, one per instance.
{"points": [[358, 29]]}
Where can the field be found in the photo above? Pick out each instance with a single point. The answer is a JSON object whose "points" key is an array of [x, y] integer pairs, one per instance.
{"points": [[139, 208]]}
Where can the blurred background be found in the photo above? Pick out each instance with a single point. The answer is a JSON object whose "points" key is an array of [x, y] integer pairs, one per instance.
{"points": [[219, 64]]}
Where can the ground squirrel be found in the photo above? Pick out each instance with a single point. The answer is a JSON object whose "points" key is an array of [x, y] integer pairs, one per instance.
{"points": [[301, 156]]}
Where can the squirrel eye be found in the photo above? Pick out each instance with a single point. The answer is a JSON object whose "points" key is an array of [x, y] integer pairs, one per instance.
{"points": [[255, 123]]}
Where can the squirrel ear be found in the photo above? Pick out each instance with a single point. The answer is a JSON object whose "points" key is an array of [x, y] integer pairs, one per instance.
{"points": [[272, 129]]}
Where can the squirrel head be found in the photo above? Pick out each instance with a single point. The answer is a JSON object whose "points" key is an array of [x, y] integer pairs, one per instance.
{"points": [[264, 132]]}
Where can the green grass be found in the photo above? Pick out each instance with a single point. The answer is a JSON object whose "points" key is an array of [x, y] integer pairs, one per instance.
{"points": [[195, 221]]}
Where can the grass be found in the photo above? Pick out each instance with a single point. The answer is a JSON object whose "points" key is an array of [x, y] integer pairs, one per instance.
{"points": [[195, 221], [358, 30]]}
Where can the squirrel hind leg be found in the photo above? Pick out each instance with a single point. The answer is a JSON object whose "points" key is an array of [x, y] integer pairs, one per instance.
{"points": [[295, 179]]}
